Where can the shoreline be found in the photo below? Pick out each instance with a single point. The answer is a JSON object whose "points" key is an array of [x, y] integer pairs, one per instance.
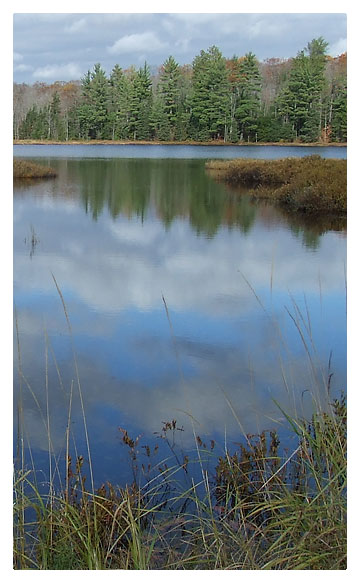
{"points": [[164, 143]]}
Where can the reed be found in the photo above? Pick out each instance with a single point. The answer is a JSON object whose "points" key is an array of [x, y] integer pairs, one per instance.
{"points": [[259, 510], [310, 184]]}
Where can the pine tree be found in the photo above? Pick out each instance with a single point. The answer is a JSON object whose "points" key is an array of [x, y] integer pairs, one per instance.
{"points": [[168, 91], [93, 111], [339, 113], [159, 120], [303, 98], [248, 102], [140, 104], [300, 102], [119, 103], [35, 124], [209, 103], [56, 130], [99, 101]]}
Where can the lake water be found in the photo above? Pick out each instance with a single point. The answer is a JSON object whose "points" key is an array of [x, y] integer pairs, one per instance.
{"points": [[186, 301]]}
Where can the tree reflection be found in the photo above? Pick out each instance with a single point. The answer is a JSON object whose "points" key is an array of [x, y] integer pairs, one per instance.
{"points": [[170, 188], [174, 189]]}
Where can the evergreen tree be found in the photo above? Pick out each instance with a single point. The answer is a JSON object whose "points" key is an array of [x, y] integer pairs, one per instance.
{"points": [[300, 102], [159, 120], [339, 113], [92, 112], [182, 122], [35, 124], [301, 98], [56, 130], [209, 103], [140, 104], [248, 103], [119, 103], [169, 93], [99, 102]]}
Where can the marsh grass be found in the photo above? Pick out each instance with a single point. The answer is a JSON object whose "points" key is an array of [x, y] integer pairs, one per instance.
{"points": [[256, 506], [261, 508], [23, 169], [310, 184]]}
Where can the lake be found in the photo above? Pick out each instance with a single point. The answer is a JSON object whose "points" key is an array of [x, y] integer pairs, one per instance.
{"points": [[186, 301]]}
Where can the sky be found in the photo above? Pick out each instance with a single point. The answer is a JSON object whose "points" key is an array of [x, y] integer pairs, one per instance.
{"points": [[52, 47]]}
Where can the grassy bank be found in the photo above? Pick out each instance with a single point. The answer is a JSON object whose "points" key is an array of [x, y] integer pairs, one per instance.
{"points": [[311, 184], [26, 169], [259, 508]]}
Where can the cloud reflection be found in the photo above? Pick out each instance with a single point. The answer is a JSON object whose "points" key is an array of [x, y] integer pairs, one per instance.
{"points": [[220, 362]]}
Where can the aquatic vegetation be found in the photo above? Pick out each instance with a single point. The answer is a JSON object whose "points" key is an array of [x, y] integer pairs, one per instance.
{"points": [[26, 169], [310, 184], [258, 509]]}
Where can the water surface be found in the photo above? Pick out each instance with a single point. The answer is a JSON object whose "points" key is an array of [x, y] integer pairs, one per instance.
{"points": [[175, 151], [123, 236]]}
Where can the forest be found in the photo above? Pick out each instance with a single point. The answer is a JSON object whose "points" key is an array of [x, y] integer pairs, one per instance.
{"points": [[237, 100]]}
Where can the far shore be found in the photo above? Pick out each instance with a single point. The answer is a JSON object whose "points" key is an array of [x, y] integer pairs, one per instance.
{"points": [[164, 143]]}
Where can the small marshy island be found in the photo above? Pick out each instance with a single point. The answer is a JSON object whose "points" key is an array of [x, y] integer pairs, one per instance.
{"points": [[310, 184], [23, 169]]}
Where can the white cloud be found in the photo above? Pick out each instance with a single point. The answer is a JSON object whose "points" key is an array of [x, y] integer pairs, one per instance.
{"points": [[265, 28], [62, 72], [197, 18], [76, 26], [337, 48], [183, 44], [23, 67], [17, 57], [147, 41]]}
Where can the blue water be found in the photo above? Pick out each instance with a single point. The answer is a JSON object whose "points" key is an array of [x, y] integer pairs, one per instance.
{"points": [[123, 236], [175, 151]]}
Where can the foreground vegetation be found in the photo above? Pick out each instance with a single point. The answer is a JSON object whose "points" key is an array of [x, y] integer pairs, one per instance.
{"points": [[26, 169], [311, 184], [258, 509]]}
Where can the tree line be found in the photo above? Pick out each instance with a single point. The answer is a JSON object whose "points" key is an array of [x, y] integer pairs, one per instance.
{"points": [[231, 100]]}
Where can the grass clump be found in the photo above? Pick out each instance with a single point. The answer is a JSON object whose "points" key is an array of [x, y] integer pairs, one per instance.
{"points": [[26, 169], [310, 184], [258, 509]]}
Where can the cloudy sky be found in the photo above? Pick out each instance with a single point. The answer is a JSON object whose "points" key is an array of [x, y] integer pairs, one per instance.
{"points": [[50, 46]]}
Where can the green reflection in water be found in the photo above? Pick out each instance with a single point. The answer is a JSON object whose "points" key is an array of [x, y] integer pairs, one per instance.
{"points": [[172, 189]]}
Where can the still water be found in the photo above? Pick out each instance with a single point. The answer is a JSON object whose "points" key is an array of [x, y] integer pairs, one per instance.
{"points": [[186, 301]]}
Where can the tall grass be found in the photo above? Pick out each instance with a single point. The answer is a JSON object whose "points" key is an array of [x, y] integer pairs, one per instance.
{"points": [[260, 510], [259, 506]]}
